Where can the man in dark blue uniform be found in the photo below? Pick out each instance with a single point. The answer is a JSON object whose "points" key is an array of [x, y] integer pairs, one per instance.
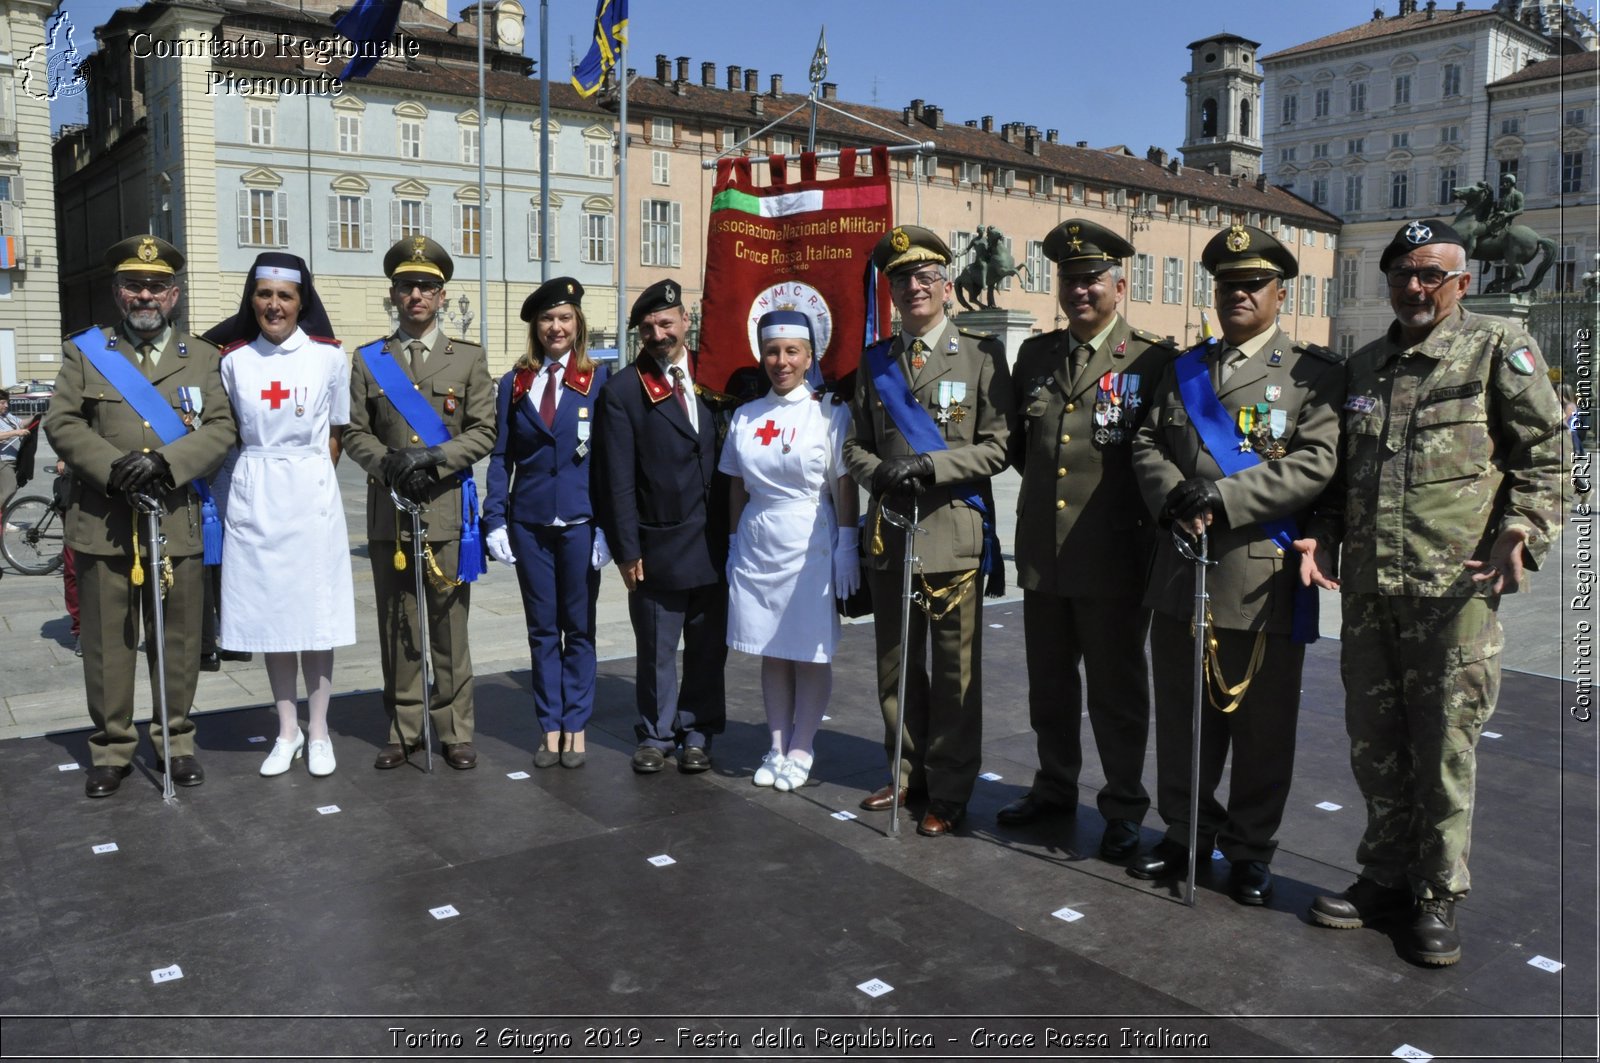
{"points": [[663, 510]]}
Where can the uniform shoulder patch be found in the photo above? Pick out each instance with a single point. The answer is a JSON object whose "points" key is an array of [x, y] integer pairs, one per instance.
{"points": [[328, 340], [975, 334], [235, 345], [1327, 354]]}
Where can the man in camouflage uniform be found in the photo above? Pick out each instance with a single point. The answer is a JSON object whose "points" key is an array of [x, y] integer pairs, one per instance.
{"points": [[1452, 486]]}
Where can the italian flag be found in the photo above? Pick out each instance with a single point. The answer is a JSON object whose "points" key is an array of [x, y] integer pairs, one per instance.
{"points": [[786, 204]]}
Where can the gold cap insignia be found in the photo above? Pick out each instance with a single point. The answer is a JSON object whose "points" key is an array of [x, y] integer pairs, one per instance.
{"points": [[1238, 240], [570, 288], [419, 249], [147, 250], [899, 240]]}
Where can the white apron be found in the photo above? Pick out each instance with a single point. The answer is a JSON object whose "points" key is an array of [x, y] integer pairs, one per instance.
{"points": [[788, 450], [286, 579]]}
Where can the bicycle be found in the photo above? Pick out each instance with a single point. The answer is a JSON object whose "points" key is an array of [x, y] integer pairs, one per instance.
{"points": [[35, 532]]}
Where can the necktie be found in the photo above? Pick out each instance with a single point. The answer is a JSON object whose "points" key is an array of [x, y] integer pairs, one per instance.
{"points": [[1080, 358], [547, 401], [1232, 358], [679, 391], [144, 358], [919, 354], [419, 352], [1222, 368]]}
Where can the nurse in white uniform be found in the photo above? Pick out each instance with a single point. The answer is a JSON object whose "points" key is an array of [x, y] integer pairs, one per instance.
{"points": [[793, 549], [287, 590]]}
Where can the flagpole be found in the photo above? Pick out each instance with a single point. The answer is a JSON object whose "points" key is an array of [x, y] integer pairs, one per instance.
{"points": [[483, 191], [622, 203], [544, 140]]}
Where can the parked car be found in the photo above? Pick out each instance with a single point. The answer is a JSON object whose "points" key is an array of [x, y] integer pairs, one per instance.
{"points": [[31, 398]]}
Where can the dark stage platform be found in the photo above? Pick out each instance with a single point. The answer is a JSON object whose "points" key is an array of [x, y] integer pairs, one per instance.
{"points": [[472, 914]]}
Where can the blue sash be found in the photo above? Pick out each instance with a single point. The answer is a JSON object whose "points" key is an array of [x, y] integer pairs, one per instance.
{"points": [[148, 404], [424, 420], [918, 427], [1222, 438]]}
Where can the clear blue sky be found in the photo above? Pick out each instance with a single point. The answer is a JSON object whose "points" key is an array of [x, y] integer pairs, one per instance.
{"points": [[1107, 73]]}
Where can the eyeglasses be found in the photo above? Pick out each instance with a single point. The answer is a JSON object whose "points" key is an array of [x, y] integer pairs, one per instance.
{"points": [[425, 287], [1430, 279], [927, 278], [135, 287], [1082, 280], [1254, 284]]}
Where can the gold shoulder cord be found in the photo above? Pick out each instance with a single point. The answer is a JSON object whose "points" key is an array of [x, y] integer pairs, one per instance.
{"points": [[1214, 666]]}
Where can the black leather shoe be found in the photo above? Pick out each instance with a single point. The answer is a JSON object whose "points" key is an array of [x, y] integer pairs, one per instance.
{"points": [[210, 662], [1364, 904], [647, 760], [941, 818], [235, 655], [1250, 882], [1167, 860], [1434, 940], [1029, 809], [103, 780], [186, 771], [1120, 840], [694, 760]]}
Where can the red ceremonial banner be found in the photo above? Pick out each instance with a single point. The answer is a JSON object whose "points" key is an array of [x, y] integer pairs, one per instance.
{"points": [[804, 246]]}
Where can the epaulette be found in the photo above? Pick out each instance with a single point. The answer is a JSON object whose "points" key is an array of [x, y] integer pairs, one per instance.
{"points": [[975, 334], [328, 340], [1327, 354], [235, 345], [1154, 340], [464, 342], [715, 399]]}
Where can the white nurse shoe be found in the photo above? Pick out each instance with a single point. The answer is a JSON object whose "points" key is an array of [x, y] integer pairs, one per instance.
{"points": [[284, 752]]}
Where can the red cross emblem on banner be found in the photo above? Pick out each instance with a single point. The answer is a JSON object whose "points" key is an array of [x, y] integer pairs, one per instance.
{"points": [[767, 432], [275, 394]]}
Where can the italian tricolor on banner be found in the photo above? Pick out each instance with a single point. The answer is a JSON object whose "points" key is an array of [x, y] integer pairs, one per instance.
{"points": [[8, 252], [789, 245]]}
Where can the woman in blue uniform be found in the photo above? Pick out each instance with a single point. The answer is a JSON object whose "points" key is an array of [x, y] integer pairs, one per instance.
{"points": [[538, 515]]}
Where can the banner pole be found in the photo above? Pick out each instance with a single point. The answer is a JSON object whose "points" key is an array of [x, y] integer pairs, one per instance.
{"points": [[622, 207]]}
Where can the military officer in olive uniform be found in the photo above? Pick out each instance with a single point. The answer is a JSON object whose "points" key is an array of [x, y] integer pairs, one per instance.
{"points": [[1268, 408], [957, 395], [453, 376], [112, 452], [1452, 487], [1084, 537]]}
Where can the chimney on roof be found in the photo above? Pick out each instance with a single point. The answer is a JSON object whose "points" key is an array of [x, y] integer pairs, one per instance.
{"points": [[1175, 168], [1009, 131], [1461, 6], [933, 116], [907, 116], [1156, 155], [1211, 168], [1377, 14], [830, 90], [663, 68], [708, 75], [916, 108], [1052, 136], [1261, 182], [987, 123], [733, 78], [1234, 180], [971, 123], [777, 85], [1429, 7], [1083, 143], [1408, 7], [752, 80], [757, 104], [683, 68], [1031, 141]]}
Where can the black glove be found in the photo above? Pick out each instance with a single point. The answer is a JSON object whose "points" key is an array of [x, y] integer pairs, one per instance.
{"points": [[418, 485], [138, 471], [398, 465], [1193, 497], [902, 475]]}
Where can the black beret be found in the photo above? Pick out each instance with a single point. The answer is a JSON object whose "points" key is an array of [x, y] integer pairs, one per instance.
{"points": [[1415, 234], [557, 291], [662, 295], [910, 245], [1081, 246], [1244, 247]]}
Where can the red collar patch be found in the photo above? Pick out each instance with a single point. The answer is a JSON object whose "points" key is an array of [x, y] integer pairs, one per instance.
{"points": [[654, 379], [579, 380], [235, 345], [329, 340], [521, 384]]}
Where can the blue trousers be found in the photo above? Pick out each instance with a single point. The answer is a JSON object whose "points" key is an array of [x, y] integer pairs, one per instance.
{"points": [[559, 588]]}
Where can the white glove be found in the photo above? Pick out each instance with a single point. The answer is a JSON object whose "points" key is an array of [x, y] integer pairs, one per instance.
{"points": [[600, 555], [500, 546], [733, 554], [846, 563]]}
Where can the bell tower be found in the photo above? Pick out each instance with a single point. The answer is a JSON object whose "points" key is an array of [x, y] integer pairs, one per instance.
{"points": [[1224, 113]]}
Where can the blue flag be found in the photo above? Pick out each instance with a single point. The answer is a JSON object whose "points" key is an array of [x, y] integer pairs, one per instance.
{"points": [[370, 24], [610, 32]]}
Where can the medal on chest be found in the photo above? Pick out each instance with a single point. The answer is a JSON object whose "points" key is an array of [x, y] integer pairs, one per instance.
{"points": [[300, 397], [952, 395], [451, 403]]}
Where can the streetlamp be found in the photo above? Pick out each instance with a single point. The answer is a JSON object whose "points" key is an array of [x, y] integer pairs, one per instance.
{"points": [[461, 317]]}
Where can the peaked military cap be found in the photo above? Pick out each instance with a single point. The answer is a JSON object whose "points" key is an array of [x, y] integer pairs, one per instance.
{"points": [[1081, 246], [558, 291], [662, 295], [1246, 249], [144, 254], [910, 245], [421, 255], [1415, 234]]}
